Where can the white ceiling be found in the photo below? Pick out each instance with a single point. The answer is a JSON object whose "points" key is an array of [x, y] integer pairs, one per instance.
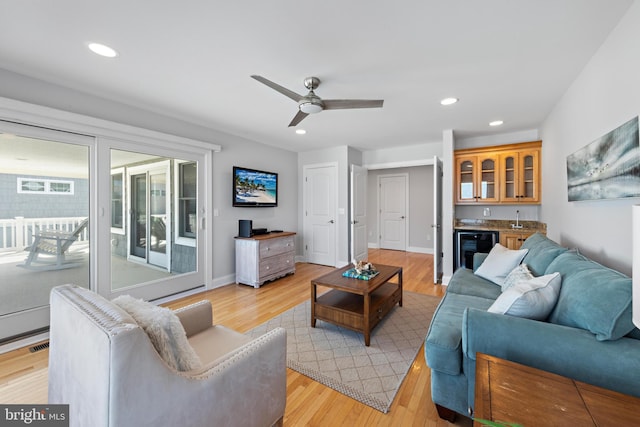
{"points": [[504, 59]]}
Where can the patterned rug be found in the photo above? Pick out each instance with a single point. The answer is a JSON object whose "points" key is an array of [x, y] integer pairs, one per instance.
{"points": [[338, 358]]}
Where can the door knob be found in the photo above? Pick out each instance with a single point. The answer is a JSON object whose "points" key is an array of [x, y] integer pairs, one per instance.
{"points": [[402, 217], [331, 221]]}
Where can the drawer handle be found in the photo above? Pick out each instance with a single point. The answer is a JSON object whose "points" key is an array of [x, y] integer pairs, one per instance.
{"points": [[268, 249], [268, 267]]}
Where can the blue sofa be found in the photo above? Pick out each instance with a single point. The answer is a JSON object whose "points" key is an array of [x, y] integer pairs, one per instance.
{"points": [[589, 335]]}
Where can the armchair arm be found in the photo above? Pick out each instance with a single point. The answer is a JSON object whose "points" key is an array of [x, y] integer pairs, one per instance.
{"points": [[196, 317], [571, 352], [246, 388]]}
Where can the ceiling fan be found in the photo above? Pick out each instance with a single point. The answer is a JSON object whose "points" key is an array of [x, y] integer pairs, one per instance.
{"points": [[312, 103]]}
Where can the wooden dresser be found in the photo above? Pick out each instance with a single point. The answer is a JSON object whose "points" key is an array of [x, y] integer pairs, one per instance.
{"points": [[510, 392], [264, 257]]}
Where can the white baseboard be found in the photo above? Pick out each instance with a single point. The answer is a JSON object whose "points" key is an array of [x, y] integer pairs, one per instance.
{"points": [[445, 280], [23, 342], [218, 282], [416, 249], [419, 250]]}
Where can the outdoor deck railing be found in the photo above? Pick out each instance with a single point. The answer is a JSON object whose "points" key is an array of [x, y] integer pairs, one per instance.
{"points": [[17, 233]]}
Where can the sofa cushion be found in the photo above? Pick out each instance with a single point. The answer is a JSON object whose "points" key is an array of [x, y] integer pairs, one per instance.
{"points": [[465, 282], [593, 297], [444, 339], [164, 330], [542, 251], [529, 298], [517, 275], [499, 263]]}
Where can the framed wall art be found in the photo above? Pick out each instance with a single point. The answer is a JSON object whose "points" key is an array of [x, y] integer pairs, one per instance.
{"points": [[607, 168]]}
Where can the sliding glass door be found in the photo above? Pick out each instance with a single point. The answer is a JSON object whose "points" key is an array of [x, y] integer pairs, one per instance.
{"points": [[118, 215], [45, 219]]}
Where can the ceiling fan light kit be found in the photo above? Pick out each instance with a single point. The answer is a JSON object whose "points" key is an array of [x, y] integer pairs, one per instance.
{"points": [[312, 103]]}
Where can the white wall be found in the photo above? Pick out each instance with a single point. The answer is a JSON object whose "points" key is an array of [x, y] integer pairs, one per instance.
{"points": [[605, 95], [240, 152]]}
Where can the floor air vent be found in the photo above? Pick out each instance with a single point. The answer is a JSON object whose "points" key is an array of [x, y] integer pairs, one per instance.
{"points": [[39, 347]]}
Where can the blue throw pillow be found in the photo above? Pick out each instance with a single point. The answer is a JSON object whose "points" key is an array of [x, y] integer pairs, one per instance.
{"points": [[593, 297], [542, 251]]}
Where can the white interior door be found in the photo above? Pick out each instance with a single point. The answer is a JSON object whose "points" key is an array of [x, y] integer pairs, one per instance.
{"points": [[359, 241], [437, 218], [393, 212], [320, 193]]}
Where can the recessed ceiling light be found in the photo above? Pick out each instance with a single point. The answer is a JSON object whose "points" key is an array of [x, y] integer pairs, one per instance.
{"points": [[449, 101], [102, 50], [301, 131], [496, 123]]}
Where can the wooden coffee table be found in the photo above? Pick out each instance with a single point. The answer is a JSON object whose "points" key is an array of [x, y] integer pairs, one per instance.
{"points": [[356, 304], [510, 392]]}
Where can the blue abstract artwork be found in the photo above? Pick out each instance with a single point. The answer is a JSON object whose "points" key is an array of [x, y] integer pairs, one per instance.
{"points": [[607, 168]]}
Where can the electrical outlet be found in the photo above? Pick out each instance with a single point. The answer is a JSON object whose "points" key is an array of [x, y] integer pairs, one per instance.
{"points": [[486, 212]]}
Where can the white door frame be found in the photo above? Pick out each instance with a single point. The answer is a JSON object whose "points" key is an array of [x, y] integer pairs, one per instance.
{"points": [[437, 220], [357, 222], [406, 208], [306, 226]]}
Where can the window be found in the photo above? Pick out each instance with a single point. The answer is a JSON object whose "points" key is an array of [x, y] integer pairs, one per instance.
{"points": [[187, 200], [117, 201], [44, 186]]}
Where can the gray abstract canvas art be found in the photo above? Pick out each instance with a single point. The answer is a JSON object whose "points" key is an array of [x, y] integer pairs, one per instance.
{"points": [[607, 168]]}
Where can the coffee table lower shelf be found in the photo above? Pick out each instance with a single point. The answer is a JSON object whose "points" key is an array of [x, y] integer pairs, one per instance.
{"points": [[347, 309]]}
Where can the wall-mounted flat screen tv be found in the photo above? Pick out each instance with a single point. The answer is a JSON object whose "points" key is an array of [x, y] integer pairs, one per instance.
{"points": [[254, 188]]}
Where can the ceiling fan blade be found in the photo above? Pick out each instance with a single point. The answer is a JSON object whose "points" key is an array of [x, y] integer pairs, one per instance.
{"points": [[283, 90], [298, 118], [343, 104]]}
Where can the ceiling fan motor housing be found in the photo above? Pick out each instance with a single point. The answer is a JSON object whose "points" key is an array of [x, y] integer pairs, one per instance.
{"points": [[311, 83], [311, 103]]}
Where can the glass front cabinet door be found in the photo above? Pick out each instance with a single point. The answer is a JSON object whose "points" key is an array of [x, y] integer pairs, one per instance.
{"points": [[521, 176], [476, 179]]}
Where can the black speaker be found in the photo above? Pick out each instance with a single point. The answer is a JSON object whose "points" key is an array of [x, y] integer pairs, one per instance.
{"points": [[244, 228]]}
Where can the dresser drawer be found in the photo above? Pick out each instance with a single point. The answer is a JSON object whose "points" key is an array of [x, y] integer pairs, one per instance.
{"points": [[276, 264], [272, 247]]}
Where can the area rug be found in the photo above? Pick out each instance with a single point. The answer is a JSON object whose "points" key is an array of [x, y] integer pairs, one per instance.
{"points": [[338, 358]]}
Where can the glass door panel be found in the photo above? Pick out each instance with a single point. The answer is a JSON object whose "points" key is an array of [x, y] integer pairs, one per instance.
{"points": [[159, 245], [44, 222], [139, 215], [158, 218]]}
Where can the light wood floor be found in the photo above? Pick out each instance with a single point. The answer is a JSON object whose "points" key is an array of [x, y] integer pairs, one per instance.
{"points": [[23, 375]]}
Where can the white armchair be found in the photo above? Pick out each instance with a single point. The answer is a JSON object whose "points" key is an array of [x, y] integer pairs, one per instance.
{"points": [[102, 363]]}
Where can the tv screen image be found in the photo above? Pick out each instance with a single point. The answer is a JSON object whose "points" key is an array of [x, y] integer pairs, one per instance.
{"points": [[254, 188]]}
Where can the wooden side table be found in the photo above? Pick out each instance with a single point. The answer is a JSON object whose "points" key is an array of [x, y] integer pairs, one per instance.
{"points": [[510, 392]]}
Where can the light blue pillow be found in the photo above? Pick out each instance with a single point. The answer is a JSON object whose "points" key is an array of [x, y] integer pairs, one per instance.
{"points": [[531, 299], [499, 263]]}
